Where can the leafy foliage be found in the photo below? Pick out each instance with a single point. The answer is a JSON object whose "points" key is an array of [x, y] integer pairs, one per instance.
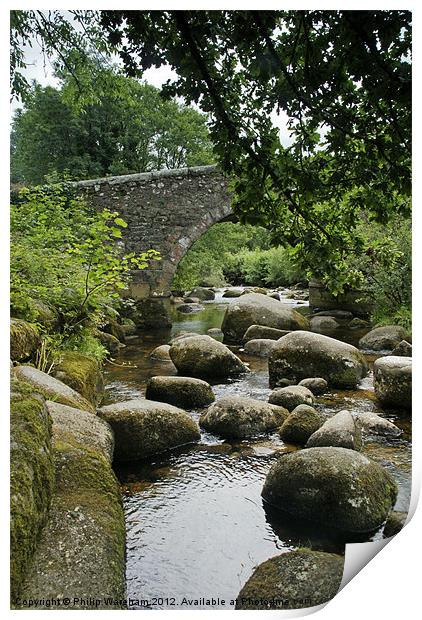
{"points": [[65, 255], [235, 254], [130, 130]]}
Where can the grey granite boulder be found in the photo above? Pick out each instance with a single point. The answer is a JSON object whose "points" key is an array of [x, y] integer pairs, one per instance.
{"points": [[340, 431], [393, 381]]}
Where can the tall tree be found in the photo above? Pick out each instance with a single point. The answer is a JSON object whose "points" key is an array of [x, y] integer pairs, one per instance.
{"points": [[132, 129]]}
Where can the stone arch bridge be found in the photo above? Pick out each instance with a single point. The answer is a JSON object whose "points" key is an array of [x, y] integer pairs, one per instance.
{"points": [[166, 210]]}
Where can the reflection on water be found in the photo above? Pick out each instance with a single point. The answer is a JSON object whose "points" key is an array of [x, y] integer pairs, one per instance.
{"points": [[196, 524]]}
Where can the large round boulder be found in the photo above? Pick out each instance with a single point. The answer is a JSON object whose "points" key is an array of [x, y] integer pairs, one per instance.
{"points": [[204, 357], [237, 417], [302, 354], [341, 431], [261, 347], [383, 338], [293, 580], [257, 309], [337, 488], [143, 428], [393, 381], [291, 396], [185, 392], [301, 424]]}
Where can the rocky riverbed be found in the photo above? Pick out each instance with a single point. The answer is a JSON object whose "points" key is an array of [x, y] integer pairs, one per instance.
{"points": [[197, 525]]}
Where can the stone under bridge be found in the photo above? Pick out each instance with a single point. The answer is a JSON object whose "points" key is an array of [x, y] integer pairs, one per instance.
{"points": [[166, 210]]}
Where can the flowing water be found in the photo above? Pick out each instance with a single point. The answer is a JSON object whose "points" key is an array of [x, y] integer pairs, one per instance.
{"points": [[196, 523]]}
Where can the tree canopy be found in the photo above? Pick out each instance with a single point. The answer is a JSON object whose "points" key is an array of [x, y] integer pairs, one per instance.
{"points": [[132, 129], [342, 77]]}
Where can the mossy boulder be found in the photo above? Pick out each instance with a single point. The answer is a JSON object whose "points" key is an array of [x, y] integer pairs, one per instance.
{"points": [[81, 552], [44, 314], [75, 426], [31, 477], [161, 353], [24, 340], [342, 431], [109, 342], [205, 357], [336, 488], [52, 389], [82, 373], [317, 385], [202, 293], [261, 347], [237, 417], [258, 309], [143, 428], [301, 354], [291, 396], [383, 338], [376, 425], [403, 349], [323, 324], [393, 381], [395, 522], [185, 392], [115, 329], [301, 424], [261, 331], [293, 580]]}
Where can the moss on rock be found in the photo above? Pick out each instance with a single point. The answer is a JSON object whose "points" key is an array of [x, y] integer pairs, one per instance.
{"points": [[185, 392], [31, 477], [293, 580], [339, 489], [81, 552], [81, 373], [301, 424], [52, 389], [24, 340]]}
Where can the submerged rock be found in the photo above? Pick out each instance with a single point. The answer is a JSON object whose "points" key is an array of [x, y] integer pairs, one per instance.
{"points": [[204, 357], [301, 354], [257, 309], [81, 373], [339, 489], [239, 417], [291, 396], [383, 338], [185, 392], [341, 431], [300, 424], [143, 428], [261, 331], [317, 385], [52, 389], [376, 425], [393, 381], [260, 347], [293, 580], [395, 522], [24, 340]]}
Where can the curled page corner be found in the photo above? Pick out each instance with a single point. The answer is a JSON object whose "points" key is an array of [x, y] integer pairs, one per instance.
{"points": [[358, 555]]}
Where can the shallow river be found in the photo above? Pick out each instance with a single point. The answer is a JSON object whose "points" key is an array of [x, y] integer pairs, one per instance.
{"points": [[196, 523]]}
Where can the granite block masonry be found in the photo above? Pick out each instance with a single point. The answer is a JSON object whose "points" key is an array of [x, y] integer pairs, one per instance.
{"points": [[167, 211]]}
